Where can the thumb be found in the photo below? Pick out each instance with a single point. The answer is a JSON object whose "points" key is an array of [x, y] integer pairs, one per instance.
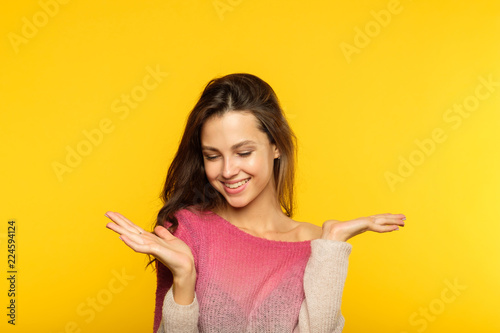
{"points": [[163, 232]]}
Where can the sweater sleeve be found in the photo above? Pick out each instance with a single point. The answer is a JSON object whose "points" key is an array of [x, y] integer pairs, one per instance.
{"points": [[324, 279], [178, 318], [169, 315]]}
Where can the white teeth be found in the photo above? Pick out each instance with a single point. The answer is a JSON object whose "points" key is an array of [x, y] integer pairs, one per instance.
{"points": [[238, 184]]}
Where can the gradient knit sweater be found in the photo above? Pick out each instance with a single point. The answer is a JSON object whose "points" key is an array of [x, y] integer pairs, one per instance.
{"points": [[251, 284]]}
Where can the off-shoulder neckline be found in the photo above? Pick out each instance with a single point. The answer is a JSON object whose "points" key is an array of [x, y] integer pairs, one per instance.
{"points": [[249, 236]]}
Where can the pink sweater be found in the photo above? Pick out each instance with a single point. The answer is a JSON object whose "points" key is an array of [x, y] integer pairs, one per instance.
{"points": [[250, 284]]}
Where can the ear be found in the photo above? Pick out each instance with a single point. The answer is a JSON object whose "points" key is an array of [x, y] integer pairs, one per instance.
{"points": [[276, 152]]}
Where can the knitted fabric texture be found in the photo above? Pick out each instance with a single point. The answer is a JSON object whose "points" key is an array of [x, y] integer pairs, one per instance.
{"points": [[250, 284]]}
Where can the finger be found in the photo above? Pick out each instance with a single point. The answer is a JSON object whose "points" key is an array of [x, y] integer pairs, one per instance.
{"points": [[384, 228], [120, 220], [124, 222], [135, 226], [388, 219], [388, 215], [132, 235], [137, 247], [117, 228], [398, 219]]}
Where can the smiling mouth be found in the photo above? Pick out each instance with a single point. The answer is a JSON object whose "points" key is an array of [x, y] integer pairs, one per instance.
{"points": [[236, 185]]}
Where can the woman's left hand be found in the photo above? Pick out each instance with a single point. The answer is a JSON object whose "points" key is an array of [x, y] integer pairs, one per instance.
{"points": [[342, 231]]}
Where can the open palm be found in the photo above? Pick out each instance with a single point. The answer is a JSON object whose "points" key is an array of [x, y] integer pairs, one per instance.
{"points": [[161, 244], [338, 230]]}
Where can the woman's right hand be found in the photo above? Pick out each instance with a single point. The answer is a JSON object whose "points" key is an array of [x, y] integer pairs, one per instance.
{"points": [[165, 247]]}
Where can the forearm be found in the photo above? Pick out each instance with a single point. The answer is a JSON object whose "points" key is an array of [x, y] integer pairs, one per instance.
{"points": [[324, 279]]}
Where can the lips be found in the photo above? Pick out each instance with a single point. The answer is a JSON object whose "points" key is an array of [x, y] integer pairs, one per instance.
{"points": [[237, 184]]}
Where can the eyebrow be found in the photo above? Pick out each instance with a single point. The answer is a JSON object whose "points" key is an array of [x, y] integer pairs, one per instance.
{"points": [[233, 147]]}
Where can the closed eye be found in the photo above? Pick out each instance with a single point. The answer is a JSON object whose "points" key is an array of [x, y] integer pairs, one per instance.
{"points": [[210, 158], [213, 157]]}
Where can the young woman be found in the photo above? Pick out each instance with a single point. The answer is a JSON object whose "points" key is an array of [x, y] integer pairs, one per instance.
{"points": [[228, 254]]}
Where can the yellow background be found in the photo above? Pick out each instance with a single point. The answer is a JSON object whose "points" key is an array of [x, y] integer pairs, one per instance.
{"points": [[357, 116]]}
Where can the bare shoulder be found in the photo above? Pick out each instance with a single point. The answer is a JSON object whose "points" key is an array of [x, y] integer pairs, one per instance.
{"points": [[309, 231]]}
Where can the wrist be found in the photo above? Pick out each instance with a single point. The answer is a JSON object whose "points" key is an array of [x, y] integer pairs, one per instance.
{"points": [[335, 234], [183, 288], [185, 277]]}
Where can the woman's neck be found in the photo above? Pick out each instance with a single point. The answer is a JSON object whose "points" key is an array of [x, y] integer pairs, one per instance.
{"points": [[259, 218]]}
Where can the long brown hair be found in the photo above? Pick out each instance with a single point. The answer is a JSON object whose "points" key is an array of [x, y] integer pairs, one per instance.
{"points": [[186, 184]]}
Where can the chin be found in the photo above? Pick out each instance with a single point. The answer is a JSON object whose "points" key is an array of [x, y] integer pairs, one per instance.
{"points": [[237, 203]]}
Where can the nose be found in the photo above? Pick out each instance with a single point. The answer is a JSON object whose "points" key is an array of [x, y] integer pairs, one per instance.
{"points": [[230, 168]]}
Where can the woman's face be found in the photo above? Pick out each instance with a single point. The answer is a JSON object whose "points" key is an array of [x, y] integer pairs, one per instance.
{"points": [[238, 158]]}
